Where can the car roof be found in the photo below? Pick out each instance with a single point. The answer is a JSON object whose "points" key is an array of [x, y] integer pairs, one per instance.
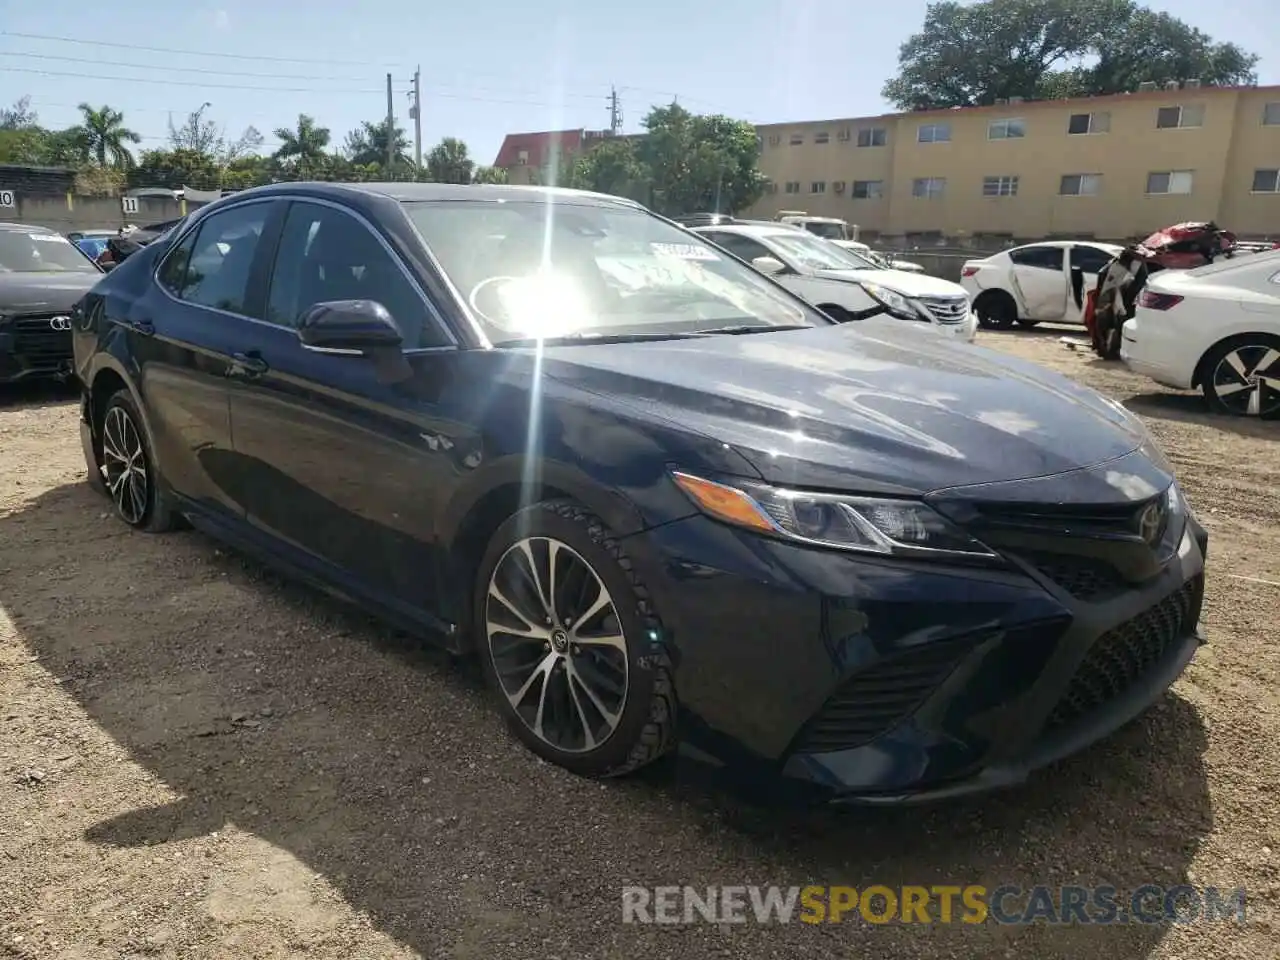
{"points": [[1102, 244], [416, 192], [26, 228]]}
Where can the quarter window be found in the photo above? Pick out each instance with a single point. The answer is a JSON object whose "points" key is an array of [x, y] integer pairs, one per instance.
{"points": [[214, 271], [326, 254], [1042, 258], [1090, 259]]}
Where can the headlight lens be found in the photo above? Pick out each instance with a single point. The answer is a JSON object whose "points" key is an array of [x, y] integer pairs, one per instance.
{"points": [[866, 524], [893, 301]]}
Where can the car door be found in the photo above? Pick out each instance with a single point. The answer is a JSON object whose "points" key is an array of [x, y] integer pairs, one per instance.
{"points": [[344, 471], [1089, 261], [184, 334], [1040, 281]]}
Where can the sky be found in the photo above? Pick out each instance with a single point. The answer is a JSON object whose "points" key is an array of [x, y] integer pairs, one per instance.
{"points": [[504, 67]]}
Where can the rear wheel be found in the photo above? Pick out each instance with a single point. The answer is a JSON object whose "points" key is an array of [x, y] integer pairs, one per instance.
{"points": [[571, 643], [129, 469], [996, 310], [1241, 376]]}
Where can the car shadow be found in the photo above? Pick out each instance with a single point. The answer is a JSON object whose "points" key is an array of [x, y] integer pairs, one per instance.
{"points": [[34, 394], [1191, 408], [381, 766]]}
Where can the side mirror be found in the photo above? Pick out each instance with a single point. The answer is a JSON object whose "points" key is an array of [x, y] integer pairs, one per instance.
{"points": [[351, 326], [769, 265]]}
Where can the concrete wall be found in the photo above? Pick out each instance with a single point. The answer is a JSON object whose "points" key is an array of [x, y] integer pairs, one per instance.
{"points": [[66, 214]]}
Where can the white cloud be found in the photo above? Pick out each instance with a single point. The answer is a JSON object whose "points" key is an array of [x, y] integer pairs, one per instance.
{"points": [[221, 20]]}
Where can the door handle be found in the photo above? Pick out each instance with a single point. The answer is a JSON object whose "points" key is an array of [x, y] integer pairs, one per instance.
{"points": [[247, 365]]}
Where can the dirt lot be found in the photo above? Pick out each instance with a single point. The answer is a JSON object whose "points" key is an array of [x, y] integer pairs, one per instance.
{"points": [[198, 760]]}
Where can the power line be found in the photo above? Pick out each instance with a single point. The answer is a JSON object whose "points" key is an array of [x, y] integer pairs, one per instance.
{"points": [[182, 83]]}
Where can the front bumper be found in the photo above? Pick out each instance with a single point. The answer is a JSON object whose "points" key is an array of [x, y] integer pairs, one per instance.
{"points": [[32, 349], [873, 681]]}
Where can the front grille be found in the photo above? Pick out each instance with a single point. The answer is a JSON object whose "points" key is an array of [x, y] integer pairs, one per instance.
{"points": [[947, 309], [37, 342], [879, 697], [1125, 654], [1083, 578]]}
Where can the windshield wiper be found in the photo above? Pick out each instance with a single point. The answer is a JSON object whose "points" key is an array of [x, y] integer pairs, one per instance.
{"points": [[750, 328]]}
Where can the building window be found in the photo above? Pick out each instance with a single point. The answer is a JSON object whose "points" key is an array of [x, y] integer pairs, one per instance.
{"points": [[797, 139], [522, 157], [1085, 123], [818, 186], [929, 188], [822, 138], [793, 186], [1266, 181], [1006, 129], [999, 186], [1080, 185], [934, 133], [1180, 117], [1271, 114], [1169, 181], [770, 187], [868, 189], [873, 137]]}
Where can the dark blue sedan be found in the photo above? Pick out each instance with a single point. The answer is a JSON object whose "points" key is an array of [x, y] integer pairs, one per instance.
{"points": [[662, 499]]}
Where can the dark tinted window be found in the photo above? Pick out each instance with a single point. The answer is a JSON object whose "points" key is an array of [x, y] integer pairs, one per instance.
{"points": [[219, 261], [173, 272], [1045, 258], [326, 254], [1089, 259], [739, 246]]}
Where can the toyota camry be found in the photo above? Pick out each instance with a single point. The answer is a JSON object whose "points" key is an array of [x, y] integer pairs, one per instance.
{"points": [[661, 498]]}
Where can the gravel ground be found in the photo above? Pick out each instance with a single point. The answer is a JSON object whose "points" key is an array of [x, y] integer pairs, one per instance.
{"points": [[200, 760]]}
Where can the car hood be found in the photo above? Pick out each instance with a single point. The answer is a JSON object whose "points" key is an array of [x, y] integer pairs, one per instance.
{"points": [[43, 292], [907, 284], [871, 406]]}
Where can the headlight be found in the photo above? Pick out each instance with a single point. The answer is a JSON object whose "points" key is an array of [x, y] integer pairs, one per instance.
{"points": [[906, 528], [893, 301]]}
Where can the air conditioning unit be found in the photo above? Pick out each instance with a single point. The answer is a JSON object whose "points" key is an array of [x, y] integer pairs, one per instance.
{"points": [[1173, 85], [1193, 84], [838, 186], [1146, 86], [843, 136], [774, 140]]}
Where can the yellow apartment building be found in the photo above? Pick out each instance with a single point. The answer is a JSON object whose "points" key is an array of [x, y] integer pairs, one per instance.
{"points": [[1109, 167]]}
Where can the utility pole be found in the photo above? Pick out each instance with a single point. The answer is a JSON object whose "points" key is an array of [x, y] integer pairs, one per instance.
{"points": [[615, 112], [391, 129], [416, 112]]}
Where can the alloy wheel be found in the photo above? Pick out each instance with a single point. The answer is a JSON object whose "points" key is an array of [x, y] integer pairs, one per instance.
{"points": [[124, 463], [1247, 380], [557, 644]]}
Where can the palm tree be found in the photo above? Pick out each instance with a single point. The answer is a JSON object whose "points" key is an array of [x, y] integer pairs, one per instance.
{"points": [[448, 162], [105, 135], [304, 146], [369, 144]]}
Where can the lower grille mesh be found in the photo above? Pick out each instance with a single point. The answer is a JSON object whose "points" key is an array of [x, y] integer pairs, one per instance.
{"points": [[1122, 656], [879, 697]]}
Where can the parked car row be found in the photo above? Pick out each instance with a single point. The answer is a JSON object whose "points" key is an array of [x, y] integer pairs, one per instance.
{"points": [[664, 499]]}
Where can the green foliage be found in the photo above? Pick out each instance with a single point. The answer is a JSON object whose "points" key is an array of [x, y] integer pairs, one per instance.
{"points": [[489, 175], [611, 167], [449, 162], [973, 54], [368, 144], [302, 149], [105, 136]]}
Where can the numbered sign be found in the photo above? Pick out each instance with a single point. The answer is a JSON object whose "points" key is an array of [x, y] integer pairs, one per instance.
{"points": [[129, 204], [8, 198]]}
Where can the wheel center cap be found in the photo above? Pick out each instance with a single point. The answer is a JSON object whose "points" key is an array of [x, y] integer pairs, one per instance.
{"points": [[559, 641]]}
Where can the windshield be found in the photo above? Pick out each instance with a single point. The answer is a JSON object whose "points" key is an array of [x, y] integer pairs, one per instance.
{"points": [[23, 252], [829, 231], [817, 254], [542, 269]]}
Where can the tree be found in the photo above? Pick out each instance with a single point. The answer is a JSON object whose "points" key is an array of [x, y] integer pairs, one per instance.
{"points": [[694, 163], [209, 140], [105, 136], [368, 144], [611, 167], [448, 162], [20, 116], [303, 148], [489, 175], [183, 167], [972, 55]]}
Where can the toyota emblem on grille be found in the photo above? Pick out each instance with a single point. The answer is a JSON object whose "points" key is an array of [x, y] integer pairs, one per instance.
{"points": [[60, 323], [1151, 523]]}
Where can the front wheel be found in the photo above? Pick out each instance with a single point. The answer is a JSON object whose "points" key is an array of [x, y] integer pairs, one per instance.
{"points": [[571, 644], [1242, 377]]}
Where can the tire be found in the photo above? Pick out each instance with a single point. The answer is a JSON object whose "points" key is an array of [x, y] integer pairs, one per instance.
{"points": [[1241, 376], [996, 311], [138, 493], [558, 689], [838, 314], [1026, 324]]}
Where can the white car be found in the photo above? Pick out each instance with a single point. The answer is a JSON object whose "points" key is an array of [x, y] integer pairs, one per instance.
{"points": [[1033, 284], [1217, 328], [862, 250], [842, 284]]}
